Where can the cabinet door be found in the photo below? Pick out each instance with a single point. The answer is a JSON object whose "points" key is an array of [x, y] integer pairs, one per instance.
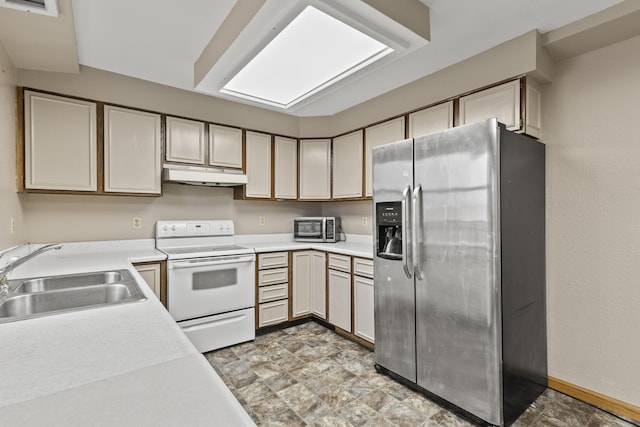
{"points": [[185, 141], [431, 120], [315, 165], [60, 143], [286, 168], [384, 133], [301, 285], [151, 274], [258, 146], [363, 306], [502, 102], [347, 166], [225, 147], [533, 125], [340, 299], [132, 151], [319, 284]]}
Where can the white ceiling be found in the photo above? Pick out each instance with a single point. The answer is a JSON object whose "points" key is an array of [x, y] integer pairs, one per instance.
{"points": [[160, 41]]}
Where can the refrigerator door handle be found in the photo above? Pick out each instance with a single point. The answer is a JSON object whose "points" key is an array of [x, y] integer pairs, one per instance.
{"points": [[406, 233], [418, 231]]}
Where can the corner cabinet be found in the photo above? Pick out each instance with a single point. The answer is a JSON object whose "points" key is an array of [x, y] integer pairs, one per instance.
{"points": [[383, 133], [308, 288], [185, 141], [154, 274], [315, 169], [347, 166], [132, 151], [60, 143]]}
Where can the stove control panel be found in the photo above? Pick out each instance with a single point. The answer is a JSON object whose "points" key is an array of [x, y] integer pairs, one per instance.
{"points": [[194, 228]]}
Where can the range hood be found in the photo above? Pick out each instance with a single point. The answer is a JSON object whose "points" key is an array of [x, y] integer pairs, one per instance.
{"points": [[210, 177]]}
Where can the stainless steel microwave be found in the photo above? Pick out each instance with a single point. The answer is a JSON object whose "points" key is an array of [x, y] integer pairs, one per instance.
{"points": [[316, 229]]}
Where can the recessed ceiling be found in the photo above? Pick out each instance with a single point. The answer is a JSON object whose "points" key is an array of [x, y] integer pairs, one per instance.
{"points": [[161, 41]]}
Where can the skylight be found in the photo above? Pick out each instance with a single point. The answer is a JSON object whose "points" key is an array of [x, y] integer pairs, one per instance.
{"points": [[313, 52]]}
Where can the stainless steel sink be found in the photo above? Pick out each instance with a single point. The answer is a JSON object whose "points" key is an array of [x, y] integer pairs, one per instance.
{"points": [[43, 284], [59, 294]]}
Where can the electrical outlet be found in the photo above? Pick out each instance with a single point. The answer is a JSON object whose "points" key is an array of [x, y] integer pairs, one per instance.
{"points": [[261, 220], [12, 227], [364, 220], [137, 222]]}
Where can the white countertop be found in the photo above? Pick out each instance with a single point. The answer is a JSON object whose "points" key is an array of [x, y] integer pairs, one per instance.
{"points": [[357, 245], [121, 365]]}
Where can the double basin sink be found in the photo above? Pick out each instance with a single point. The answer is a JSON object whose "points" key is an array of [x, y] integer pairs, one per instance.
{"points": [[43, 296]]}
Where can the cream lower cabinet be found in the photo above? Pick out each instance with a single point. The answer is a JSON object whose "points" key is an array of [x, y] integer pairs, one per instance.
{"points": [[347, 166], [151, 273], [339, 284], [285, 175], [185, 141], [273, 288], [60, 143], [383, 133], [309, 295], [315, 169], [133, 151], [363, 296], [431, 120], [258, 165]]}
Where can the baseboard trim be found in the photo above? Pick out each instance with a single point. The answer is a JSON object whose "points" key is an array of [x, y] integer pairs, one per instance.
{"points": [[600, 400]]}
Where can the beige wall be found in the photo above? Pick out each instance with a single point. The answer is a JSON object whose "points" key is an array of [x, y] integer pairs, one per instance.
{"points": [[65, 218], [591, 128], [351, 215], [9, 200]]}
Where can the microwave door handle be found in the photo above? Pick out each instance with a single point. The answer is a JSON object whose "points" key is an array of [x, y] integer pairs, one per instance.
{"points": [[406, 227], [418, 231]]}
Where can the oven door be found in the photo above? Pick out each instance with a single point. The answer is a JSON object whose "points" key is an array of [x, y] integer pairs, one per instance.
{"points": [[204, 286]]}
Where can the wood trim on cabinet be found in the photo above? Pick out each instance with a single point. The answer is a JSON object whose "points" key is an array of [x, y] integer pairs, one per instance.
{"points": [[456, 112], [523, 104], [594, 398], [20, 142], [273, 167], [100, 146]]}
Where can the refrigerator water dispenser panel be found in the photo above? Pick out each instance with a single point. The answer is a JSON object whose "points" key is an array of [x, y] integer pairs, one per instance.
{"points": [[389, 230]]}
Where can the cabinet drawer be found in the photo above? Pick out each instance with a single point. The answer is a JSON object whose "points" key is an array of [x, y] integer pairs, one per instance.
{"points": [[273, 260], [272, 313], [273, 292], [363, 267], [271, 277], [340, 262]]}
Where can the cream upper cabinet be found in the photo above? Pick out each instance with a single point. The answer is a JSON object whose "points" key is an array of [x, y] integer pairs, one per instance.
{"points": [[533, 115], [383, 133], [431, 120], [185, 141], [132, 151], [258, 167], [60, 143], [308, 287], [347, 165], [502, 102], [286, 168], [225, 146], [315, 168]]}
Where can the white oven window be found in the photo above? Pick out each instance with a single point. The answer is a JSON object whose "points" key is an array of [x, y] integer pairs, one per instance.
{"points": [[214, 279]]}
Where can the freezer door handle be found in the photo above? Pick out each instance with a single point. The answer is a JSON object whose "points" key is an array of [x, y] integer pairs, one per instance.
{"points": [[406, 233], [417, 229]]}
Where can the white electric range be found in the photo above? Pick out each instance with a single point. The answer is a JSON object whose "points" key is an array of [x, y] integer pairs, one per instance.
{"points": [[210, 282]]}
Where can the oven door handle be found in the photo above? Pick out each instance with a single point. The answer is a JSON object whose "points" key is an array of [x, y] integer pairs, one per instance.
{"points": [[196, 264]]}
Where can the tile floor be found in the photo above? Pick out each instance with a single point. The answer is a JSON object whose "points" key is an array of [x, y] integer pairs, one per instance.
{"points": [[307, 375]]}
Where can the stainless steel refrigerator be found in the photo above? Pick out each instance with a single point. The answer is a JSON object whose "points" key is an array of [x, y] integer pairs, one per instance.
{"points": [[459, 267]]}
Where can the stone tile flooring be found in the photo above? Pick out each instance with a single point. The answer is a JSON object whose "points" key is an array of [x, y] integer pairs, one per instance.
{"points": [[308, 375]]}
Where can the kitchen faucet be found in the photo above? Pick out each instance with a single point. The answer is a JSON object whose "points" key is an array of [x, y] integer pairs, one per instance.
{"points": [[4, 271]]}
